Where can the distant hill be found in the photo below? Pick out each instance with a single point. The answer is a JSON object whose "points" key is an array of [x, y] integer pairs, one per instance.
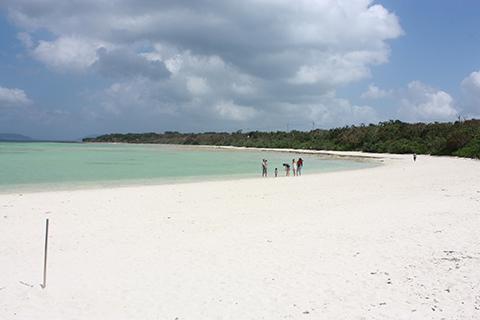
{"points": [[14, 137], [88, 137]]}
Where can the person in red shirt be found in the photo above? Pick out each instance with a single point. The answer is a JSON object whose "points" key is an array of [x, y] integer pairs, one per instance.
{"points": [[299, 166]]}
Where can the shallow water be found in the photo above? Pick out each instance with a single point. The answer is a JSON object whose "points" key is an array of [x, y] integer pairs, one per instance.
{"points": [[39, 166]]}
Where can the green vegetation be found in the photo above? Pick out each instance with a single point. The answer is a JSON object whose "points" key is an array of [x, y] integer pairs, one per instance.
{"points": [[461, 138]]}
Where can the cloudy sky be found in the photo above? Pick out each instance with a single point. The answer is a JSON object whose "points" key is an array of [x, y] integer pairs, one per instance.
{"points": [[74, 68]]}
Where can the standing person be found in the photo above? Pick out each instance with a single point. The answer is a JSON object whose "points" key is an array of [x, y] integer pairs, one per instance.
{"points": [[287, 169], [276, 172], [264, 168], [294, 167], [414, 157], [299, 166]]}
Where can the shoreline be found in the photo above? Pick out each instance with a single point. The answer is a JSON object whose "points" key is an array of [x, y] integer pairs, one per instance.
{"points": [[335, 155], [398, 241], [120, 181]]}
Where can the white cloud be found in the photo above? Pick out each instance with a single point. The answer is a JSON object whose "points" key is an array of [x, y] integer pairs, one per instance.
{"points": [[239, 59], [111, 107], [197, 86], [245, 88], [67, 54], [375, 93], [26, 39], [130, 99], [227, 110], [332, 71], [61, 112], [301, 41], [79, 55], [338, 112], [471, 90], [14, 98], [208, 78], [424, 103]]}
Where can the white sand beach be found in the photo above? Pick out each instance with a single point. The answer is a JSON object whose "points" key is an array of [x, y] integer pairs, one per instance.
{"points": [[399, 241]]}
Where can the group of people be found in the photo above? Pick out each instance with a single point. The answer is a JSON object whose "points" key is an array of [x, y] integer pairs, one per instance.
{"points": [[296, 166]]}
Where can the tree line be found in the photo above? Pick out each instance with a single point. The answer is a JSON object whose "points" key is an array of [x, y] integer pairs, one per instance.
{"points": [[461, 138]]}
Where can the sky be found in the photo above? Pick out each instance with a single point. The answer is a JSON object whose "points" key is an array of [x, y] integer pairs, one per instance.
{"points": [[77, 68]]}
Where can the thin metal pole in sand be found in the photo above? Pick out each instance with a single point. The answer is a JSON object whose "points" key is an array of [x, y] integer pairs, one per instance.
{"points": [[45, 259]]}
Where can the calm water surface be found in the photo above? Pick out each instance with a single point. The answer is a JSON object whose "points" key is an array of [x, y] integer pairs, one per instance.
{"points": [[35, 166]]}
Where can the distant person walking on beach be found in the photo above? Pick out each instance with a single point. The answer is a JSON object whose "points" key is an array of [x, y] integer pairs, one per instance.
{"points": [[294, 167], [264, 168], [276, 172], [299, 166], [287, 169], [414, 157]]}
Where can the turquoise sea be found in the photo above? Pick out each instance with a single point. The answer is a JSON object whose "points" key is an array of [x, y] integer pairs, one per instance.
{"points": [[48, 166]]}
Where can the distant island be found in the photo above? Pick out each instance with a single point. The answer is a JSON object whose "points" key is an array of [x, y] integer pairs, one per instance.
{"points": [[14, 137], [461, 138]]}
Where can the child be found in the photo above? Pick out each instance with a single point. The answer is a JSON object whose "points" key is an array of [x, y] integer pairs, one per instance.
{"points": [[276, 172]]}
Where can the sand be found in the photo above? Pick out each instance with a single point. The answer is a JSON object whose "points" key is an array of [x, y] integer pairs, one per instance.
{"points": [[399, 241]]}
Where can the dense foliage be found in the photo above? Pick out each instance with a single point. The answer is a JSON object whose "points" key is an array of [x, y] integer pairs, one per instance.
{"points": [[461, 138]]}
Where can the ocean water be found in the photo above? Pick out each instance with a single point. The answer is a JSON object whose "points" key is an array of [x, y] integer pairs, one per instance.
{"points": [[38, 166]]}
